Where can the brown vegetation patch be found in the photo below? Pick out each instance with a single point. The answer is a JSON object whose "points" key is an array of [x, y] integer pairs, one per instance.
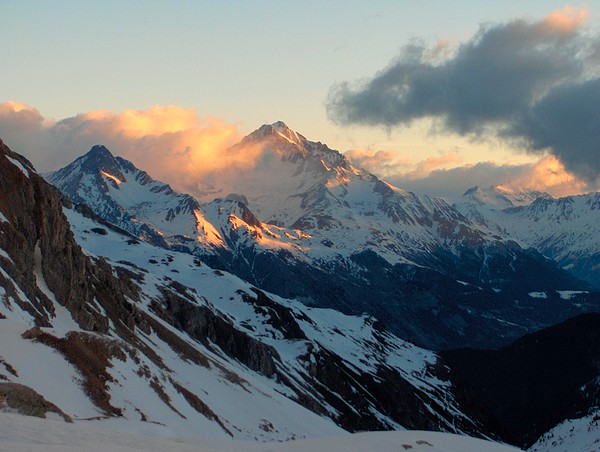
{"points": [[91, 356], [199, 405], [28, 402], [9, 368], [162, 395]]}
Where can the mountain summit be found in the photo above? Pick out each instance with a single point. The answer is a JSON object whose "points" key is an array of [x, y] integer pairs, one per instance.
{"points": [[122, 194]]}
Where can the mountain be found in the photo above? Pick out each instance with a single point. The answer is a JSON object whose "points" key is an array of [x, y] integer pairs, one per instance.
{"points": [[538, 381], [101, 327], [306, 224], [563, 229], [98, 180], [571, 434], [501, 197]]}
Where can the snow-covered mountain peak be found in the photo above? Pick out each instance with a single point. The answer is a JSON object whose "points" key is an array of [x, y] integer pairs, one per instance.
{"points": [[289, 145], [125, 195], [99, 160], [502, 196], [280, 129]]}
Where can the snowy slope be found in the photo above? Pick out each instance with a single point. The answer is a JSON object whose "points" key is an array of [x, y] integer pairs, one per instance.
{"points": [[581, 435], [322, 331], [34, 435]]}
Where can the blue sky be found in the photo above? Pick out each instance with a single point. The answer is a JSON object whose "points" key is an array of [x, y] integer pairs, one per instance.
{"points": [[243, 62]]}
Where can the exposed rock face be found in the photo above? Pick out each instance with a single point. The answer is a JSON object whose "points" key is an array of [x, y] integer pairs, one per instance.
{"points": [[26, 401], [38, 239], [203, 325]]}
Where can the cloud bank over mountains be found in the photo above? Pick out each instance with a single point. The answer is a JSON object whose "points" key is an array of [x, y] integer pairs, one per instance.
{"points": [[175, 145], [171, 143], [533, 84], [447, 175]]}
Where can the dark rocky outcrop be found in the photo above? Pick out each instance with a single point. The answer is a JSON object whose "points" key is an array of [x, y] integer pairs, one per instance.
{"points": [[202, 324], [38, 235]]}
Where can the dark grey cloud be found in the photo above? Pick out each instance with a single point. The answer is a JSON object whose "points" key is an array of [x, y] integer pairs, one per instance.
{"points": [[567, 121], [524, 81]]}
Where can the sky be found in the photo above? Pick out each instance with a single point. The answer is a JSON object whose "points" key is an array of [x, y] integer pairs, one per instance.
{"points": [[434, 96]]}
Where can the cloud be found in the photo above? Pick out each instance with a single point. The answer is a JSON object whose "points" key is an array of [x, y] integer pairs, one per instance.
{"points": [[566, 121], [567, 20], [512, 80], [550, 175], [382, 162], [387, 163], [172, 143], [546, 175], [425, 167]]}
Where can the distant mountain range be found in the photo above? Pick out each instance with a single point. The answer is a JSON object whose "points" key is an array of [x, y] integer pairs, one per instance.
{"points": [[306, 224], [564, 229]]}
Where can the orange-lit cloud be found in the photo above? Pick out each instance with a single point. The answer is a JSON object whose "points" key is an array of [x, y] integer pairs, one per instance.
{"points": [[171, 143], [566, 20], [425, 167], [549, 174], [546, 175], [387, 163], [382, 162], [446, 175]]}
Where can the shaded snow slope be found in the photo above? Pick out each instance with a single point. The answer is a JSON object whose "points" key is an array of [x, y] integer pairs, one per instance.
{"points": [[34, 435], [582, 435]]}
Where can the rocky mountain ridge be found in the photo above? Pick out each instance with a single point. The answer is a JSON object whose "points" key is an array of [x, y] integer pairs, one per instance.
{"points": [[306, 224]]}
